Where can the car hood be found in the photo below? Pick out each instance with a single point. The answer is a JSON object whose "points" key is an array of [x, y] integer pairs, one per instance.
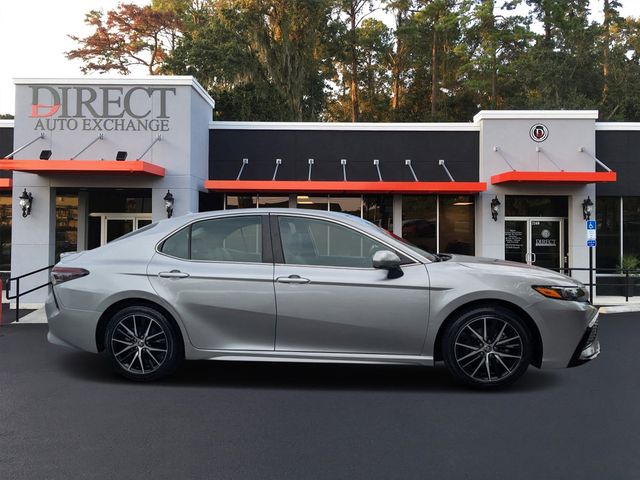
{"points": [[504, 267]]}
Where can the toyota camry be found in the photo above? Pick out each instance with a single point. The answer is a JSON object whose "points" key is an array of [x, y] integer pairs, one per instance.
{"points": [[299, 285]]}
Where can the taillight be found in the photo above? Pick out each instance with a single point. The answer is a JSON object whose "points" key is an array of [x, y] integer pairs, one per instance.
{"points": [[64, 274]]}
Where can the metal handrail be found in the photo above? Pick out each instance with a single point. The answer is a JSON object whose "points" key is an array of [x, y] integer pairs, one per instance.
{"points": [[19, 293]]}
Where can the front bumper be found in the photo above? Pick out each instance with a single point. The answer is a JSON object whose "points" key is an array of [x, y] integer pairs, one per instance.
{"points": [[589, 346]]}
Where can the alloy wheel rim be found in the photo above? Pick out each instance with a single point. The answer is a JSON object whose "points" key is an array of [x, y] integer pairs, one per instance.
{"points": [[488, 349], [139, 344]]}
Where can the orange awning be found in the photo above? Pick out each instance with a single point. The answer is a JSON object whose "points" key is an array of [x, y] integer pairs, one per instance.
{"points": [[80, 167], [553, 177]]}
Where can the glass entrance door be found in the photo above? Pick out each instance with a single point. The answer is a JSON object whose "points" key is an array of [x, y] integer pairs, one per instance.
{"points": [[536, 241], [115, 225], [546, 243]]}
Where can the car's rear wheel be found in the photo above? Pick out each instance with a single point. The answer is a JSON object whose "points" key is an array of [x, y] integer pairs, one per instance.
{"points": [[142, 344], [487, 347]]}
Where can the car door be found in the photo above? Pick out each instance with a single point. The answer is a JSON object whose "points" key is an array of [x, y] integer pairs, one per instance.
{"points": [[330, 299], [218, 275]]}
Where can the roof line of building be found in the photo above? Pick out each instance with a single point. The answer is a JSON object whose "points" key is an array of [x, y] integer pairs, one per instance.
{"points": [[426, 126], [535, 115], [451, 127]]}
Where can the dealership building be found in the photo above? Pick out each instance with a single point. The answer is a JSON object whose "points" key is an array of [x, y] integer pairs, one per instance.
{"points": [[88, 160]]}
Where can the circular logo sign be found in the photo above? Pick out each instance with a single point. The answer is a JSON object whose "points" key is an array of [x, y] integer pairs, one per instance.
{"points": [[545, 233], [539, 132]]}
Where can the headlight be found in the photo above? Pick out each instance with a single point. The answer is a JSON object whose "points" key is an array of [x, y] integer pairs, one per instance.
{"points": [[574, 294]]}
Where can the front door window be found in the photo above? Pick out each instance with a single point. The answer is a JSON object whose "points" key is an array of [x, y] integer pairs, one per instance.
{"points": [[545, 243]]}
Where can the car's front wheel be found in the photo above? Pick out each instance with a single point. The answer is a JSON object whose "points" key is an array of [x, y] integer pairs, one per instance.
{"points": [[142, 344], [487, 347]]}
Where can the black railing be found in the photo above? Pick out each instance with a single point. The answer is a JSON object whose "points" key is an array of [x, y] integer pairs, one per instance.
{"points": [[18, 293], [631, 278]]}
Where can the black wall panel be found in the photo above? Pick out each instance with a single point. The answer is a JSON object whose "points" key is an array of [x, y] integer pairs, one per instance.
{"points": [[620, 151], [227, 148]]}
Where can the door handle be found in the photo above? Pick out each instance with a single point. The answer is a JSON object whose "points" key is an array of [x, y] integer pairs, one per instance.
{"points": [[292, 279], [173, 274], [533, 257]]}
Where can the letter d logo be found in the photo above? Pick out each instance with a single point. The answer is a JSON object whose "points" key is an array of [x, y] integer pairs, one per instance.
{"points": [[36, 107]]}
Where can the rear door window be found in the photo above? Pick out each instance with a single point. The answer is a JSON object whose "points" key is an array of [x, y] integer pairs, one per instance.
{"points": [[235, 239]]}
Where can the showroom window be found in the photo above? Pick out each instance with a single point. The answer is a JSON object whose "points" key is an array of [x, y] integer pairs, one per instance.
{"points": [[5, 232], [253, 201], [618, 230], [66, 224], [440, 223], [378, 209], [345, 204], [609, 232], [351, 204]]}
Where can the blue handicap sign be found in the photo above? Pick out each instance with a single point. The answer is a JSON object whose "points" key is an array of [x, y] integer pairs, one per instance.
{"points": [[591, 243], [591, 224]]}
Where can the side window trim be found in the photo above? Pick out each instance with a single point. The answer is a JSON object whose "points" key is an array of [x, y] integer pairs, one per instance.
{"points": [[267, 244], [276, 241]]}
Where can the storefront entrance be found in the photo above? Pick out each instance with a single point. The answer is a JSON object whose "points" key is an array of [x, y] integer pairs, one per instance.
{"points": [[114, 225], [537, 241]]}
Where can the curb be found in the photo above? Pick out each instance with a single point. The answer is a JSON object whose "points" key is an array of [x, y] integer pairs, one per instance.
{"points": [[619, 309]]}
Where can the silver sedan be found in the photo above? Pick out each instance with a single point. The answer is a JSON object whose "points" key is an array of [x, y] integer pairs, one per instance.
{"points": [[300, 285]]}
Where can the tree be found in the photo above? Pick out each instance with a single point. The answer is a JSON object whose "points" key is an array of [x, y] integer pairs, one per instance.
{"points": [[130, 35], [286, 35], [216, 47], [402, 11]]}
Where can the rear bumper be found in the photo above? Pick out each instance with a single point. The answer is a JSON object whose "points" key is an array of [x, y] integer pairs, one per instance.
{"points": [[589, 346], [71, 328]]}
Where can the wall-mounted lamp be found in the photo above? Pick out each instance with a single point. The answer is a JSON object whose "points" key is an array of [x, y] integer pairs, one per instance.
{"points": [[495, 208], [26, 199], [168, 203], [121, 156], [587, 208], [45, 154]]}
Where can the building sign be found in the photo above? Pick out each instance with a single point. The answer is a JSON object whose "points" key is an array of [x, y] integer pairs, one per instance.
{"points": [[100, 109], [544, 240], [539, 132]]}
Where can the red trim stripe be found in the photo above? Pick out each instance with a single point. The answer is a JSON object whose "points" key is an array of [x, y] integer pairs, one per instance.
{"points": [[314, 186]]}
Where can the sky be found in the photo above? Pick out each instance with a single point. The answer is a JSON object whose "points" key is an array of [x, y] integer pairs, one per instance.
{"points": [[35, 37]]}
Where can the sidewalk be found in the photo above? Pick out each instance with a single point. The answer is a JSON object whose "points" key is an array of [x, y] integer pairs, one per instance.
{"points": [[612, 304]]}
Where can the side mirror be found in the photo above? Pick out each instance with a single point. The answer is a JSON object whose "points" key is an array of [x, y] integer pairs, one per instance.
{"points": [[386, 260]]}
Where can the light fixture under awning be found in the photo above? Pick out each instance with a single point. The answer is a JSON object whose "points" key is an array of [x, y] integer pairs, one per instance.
{"points": [[553, 177], [80, 167], [315, 186], [6, 183]]}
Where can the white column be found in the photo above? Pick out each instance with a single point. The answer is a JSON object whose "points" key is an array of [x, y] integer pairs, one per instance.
{"points": [[32, 238]]}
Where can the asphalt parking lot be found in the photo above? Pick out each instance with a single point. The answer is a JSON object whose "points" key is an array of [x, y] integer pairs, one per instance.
{"points": [[64, 415]]}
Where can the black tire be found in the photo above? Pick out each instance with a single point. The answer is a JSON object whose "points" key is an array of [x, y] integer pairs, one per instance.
{"points": [[142, 344], [497, 354]]}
